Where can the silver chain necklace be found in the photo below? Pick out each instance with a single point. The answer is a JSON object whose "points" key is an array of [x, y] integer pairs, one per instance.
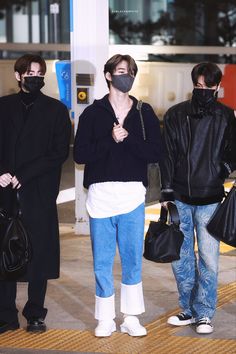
{"points": [[27, 105]]}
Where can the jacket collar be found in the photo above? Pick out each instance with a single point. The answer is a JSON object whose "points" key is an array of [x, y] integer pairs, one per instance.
{"points": [[104, 103], [194, 111]]}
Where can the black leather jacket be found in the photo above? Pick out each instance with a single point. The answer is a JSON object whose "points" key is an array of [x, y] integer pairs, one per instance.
{"points": [[200, 152]]}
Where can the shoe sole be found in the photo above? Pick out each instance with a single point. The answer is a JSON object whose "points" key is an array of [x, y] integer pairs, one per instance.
{"points": [[36, 330], [204, 330], [103, 334], [180, 323], [124, 329]]}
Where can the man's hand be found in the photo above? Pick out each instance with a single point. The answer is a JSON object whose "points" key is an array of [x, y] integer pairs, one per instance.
{"points": [[15, 183], [119, 133], [5, 179]]}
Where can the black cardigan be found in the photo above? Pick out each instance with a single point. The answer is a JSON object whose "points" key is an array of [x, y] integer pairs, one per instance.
{"points": [[104, 159]]}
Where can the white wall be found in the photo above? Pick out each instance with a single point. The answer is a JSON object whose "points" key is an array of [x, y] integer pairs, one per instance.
{"points": [[160, 84], [163, 84]]}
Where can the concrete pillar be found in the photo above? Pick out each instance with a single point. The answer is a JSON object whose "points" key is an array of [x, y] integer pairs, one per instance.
{"points": [[89, 52]]}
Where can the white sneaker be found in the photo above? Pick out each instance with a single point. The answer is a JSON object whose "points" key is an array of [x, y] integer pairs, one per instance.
{"points": [[105, 328], [180, 320], [132, 326], [204, 326]]}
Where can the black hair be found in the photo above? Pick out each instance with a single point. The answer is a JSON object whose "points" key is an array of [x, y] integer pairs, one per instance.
{"points": [[112, 63], [23, 64], [210, 71]]}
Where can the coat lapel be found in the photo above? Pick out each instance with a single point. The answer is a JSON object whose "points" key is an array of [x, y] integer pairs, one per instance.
{"points": [[15, 114]]}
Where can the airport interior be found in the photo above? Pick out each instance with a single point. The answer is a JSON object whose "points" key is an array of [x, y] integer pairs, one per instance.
{"points": [[76, 37]]}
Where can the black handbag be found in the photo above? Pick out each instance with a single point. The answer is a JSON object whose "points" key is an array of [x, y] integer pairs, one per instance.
{"points": [[163, 240], [15, 247], [153, 190], [222, 224]]}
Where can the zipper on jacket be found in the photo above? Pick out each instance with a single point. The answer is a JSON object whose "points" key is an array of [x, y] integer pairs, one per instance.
{"points": [[188, 156]]}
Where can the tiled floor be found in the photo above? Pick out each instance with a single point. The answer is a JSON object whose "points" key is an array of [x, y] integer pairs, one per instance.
{"points": [[70, 303]]}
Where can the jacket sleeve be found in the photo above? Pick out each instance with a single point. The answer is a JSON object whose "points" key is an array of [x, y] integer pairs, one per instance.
{"points": [[2, 170], [229, 155], [167, 165], [55, 155], [86, 147], [150, 149]]}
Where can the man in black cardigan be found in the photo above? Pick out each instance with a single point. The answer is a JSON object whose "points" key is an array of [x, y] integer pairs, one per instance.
{"points": [[110, 142], [34, 143]]}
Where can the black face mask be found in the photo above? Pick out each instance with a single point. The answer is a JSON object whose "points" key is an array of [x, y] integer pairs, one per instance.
{"points": [[33, 83], [122, 82], [204, 97]]}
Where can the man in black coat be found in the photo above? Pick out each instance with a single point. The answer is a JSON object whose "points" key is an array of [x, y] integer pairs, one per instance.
{"points": [[34, 143]]}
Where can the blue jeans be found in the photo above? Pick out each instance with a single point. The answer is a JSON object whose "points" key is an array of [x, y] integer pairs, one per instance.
{"points": [[127, 230], [197, 278]]}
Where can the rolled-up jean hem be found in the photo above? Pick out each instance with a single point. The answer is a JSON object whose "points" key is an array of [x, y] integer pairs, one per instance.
{"points": [[131, 299]]}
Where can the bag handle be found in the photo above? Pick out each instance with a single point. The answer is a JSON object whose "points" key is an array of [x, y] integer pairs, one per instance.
{"points": [[173, 211], [139, 106], [16, 212]]}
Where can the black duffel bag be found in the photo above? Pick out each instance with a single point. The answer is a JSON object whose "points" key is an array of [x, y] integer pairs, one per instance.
{"points": [[163, 240], [15, 247], [222, 224]]}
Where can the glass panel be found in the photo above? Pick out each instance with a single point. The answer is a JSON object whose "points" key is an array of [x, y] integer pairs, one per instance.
{"points": [[35, 21], [3, 34], [174, 22], [20, 24]]}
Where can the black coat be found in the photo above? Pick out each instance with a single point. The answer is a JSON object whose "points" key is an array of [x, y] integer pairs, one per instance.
{"points": [[34, 152]]}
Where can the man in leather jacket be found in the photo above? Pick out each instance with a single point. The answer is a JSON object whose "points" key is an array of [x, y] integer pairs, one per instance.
{"points": [[199, 137]]}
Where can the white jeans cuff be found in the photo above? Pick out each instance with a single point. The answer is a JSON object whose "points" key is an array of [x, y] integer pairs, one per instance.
{"points": [[105, 308], [131, 299]]}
